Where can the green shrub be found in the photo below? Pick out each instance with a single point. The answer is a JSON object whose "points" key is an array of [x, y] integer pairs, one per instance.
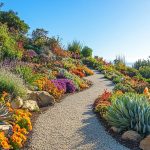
{"points": [[131, 71], [118, 79], [26, 73], [145, 71], [130, 111], [141, 63], [123, 87], [75, 46], [86, 52], [11, 83], [8, 46]]}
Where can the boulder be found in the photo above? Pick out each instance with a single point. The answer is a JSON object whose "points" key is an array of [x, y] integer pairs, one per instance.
{"points": [[145, 143], [115, 130], [131, 135], [6, 128], [43, 98], [17, 103], [31, 105]]}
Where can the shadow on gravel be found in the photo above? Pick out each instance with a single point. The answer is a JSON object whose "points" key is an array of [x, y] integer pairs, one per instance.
{"points": [[89, 131]]}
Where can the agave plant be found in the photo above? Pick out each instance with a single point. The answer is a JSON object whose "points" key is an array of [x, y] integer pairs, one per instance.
{"points": [[5, 115], [130, 111]]}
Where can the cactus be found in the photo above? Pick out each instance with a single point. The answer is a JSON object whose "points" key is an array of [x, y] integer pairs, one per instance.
{"points": [[130, 111]]}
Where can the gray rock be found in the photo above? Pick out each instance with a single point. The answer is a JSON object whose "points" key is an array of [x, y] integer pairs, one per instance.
{"points": [[115, 130], [5, 128], [31, 105], [43, 98], [131, 135], [17, 103]]}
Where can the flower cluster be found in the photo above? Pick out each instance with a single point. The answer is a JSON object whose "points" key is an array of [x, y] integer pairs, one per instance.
{"points": [[146, 92], [4, 142], [47, 85], [21, 125], [22, 118], [78, 73], [64, 84], [101, 104], [87, 71], [77, 81], [18, 137]]}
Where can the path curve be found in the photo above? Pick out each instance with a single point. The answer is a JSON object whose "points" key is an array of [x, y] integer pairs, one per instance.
{"points": [[72, 125]]}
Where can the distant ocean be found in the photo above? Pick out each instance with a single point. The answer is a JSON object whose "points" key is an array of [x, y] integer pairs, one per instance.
{"points": [[129, 64]]}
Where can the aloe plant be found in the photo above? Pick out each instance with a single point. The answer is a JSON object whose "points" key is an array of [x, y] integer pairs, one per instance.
{"points": [[130, 111]]}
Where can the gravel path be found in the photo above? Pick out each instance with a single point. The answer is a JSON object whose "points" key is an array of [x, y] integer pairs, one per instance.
{"points": [[72, 125]]}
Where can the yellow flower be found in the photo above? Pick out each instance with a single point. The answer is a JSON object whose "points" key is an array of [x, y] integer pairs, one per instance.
{"points": [[5, 145], [8, 104]]}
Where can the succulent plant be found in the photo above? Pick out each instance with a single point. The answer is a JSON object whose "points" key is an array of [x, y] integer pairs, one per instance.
{"points": [[5, 115], [130, 111]]}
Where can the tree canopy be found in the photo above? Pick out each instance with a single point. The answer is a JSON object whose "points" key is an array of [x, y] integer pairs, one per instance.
{"points": [[14, 23], [86, 51], [8, 46]]}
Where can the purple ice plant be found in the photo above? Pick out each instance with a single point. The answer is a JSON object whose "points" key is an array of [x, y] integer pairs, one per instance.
{"points": [[64, 84]]}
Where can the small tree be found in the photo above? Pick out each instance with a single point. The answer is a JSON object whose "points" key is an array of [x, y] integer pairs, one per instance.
{"points": [[86, 51], [14, 23], [39, 33], [39, 37]]}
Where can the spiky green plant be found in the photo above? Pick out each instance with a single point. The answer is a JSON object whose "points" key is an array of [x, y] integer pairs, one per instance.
{"points": [[75, 46], [5, 115], [130, 111]]}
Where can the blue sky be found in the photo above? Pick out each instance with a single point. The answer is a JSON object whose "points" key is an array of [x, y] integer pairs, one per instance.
{"points": [[110, 27]]}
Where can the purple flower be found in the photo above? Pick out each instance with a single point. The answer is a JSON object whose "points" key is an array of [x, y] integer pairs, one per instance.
{"points": [[65, 84]]}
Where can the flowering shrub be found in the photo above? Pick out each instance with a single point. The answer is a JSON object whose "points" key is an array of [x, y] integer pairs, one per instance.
{"points": [[45, 84], [21, 128], [21, 125], [4, 141], [78, 82], [87, 71], [78, 73], [101, 104], [64, 84]]}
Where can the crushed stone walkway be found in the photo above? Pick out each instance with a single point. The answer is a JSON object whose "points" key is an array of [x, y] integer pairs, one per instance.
{"points": [[72, 125]]}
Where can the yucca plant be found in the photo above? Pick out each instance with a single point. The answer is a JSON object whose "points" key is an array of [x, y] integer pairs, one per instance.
{"points": [[130, 111]]}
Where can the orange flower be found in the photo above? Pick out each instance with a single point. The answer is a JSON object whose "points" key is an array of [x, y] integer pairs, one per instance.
{"points": [[5, 145], [16, 128], [4, 94], [10, 109], [146, 91], [24, 131]]}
